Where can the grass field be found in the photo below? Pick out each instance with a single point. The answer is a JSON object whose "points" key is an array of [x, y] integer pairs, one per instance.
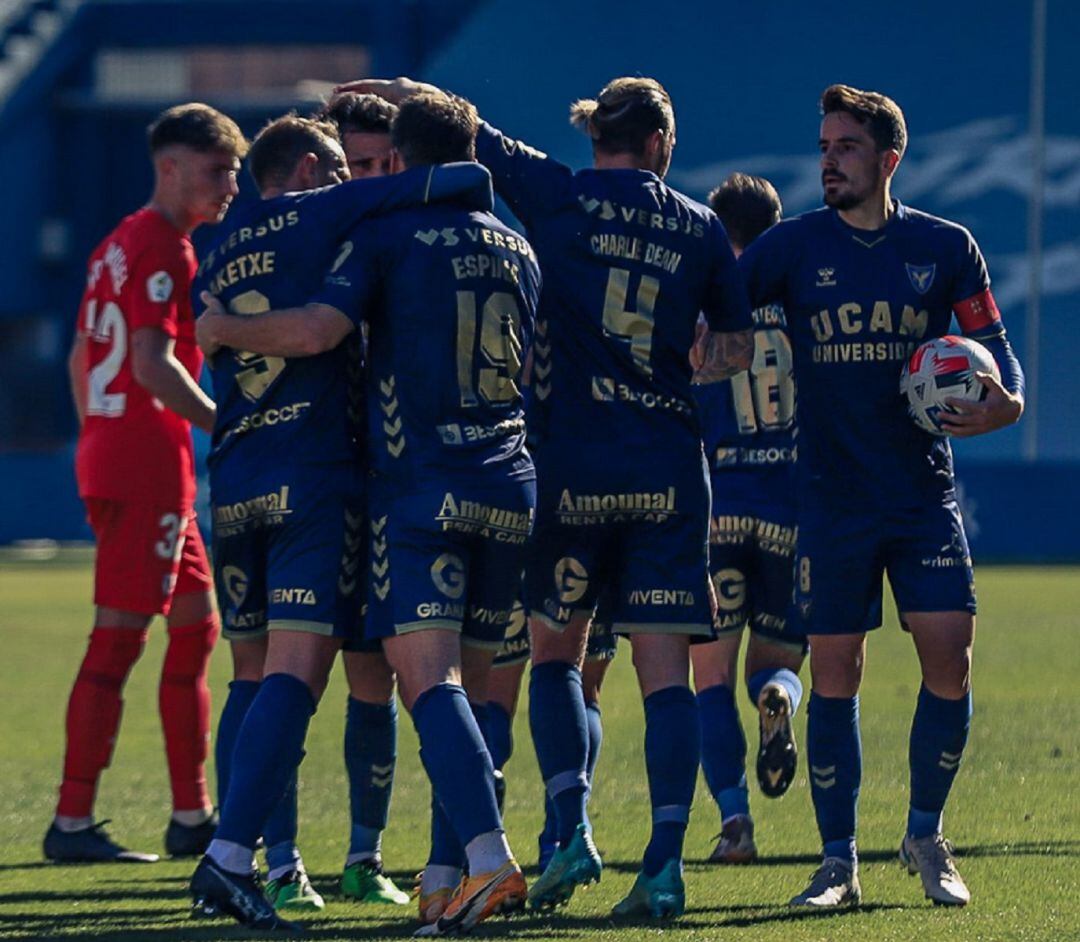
{"points": [[1015, 812]]}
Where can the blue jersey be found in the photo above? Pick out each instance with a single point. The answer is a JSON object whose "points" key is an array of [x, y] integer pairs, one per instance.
{"points": [[450, 295], [748, 422], [858, 303], [276, 413], [628, 265]]}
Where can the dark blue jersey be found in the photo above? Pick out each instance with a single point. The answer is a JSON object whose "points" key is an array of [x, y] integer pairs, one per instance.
{"points": [[858, 303], [449, 294], [275, 412], [748, 422], [628, 265]]}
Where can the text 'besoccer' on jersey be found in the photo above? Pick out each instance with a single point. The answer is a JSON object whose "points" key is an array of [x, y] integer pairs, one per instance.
{"points": [[273, 412], [450, 296], [748, 421], [628, 265], [131, 447], [858, 303]]}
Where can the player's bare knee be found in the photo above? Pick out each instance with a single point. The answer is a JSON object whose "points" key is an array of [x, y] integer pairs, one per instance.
{"points": [[592, 679], [836, 664], [567, 645], [191, 607], [716, 663], [661, 661], [248, 657], [370, 676]]}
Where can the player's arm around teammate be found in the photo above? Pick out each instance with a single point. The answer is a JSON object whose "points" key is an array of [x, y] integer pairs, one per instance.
{"points": [[289, 520], [134, 371]]}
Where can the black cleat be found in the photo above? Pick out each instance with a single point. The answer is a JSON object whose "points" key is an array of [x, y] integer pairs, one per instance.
{"points": [[500, 791], [90, 845], [777, 756], [184, 841], [216, 892]]}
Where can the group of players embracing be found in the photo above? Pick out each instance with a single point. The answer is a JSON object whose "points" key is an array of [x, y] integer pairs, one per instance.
{"points": [[446, 449]]}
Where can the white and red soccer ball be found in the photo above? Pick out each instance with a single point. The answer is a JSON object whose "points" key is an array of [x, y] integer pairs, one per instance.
{"points": [[944, 368]]}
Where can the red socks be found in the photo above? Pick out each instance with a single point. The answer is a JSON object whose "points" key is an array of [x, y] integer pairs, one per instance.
{"points": [[93, 714], [184, 702]]}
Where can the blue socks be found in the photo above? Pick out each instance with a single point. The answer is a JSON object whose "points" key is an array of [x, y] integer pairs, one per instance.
{"points": [[834, 750], [672, 750], [560, 732], [723, 750], [500, 736], [446, 850], [241, 693], [596, 739], [279, 832], [281, 827], [787, 679], [453, 752], [939, 733], [268, 750], [370, 757]]}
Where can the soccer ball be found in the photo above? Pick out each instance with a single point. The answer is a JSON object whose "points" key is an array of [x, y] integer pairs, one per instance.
{"points": [[944, 368]]}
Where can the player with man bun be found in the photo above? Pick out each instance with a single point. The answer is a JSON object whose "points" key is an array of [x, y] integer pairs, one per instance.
{"points": [[623, 496]]}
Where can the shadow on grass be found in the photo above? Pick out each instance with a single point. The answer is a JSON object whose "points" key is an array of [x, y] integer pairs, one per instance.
{"points": [[130, 926], [88, 908], [878, 855]]}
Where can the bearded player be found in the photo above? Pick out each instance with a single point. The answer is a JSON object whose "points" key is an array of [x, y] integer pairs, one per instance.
{"points": [[134, 373], [453, 560], [623, 498], [286, 492], [863, 282]]}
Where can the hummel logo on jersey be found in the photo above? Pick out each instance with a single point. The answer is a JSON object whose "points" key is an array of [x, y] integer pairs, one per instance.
{"points": [[921, 276], [826, 277]]}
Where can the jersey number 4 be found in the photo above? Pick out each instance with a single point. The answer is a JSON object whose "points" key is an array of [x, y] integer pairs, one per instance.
{"points": [[109, 328], [636, 324]]}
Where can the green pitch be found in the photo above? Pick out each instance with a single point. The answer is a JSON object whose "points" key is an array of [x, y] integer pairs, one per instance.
{"points": [[1014, 814]]}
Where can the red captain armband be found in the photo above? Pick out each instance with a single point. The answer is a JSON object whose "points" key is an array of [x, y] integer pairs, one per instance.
{"points": [[977, 312]]}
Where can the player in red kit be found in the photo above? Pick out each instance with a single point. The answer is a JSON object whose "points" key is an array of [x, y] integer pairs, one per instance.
{"points": [[134, 371]]}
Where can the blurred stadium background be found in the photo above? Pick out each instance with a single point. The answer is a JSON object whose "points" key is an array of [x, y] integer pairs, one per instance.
{"points": [[988, 87]]}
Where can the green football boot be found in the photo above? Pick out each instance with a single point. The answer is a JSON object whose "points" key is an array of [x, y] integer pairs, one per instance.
{"points": [[576, 864], [661, 897], [365, 881], [293, 891]]}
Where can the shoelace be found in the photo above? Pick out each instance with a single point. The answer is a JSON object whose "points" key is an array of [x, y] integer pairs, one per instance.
{"points": [[943, 856]]}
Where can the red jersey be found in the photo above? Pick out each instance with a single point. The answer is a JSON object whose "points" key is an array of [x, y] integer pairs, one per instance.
{"points": [[131, 447]]}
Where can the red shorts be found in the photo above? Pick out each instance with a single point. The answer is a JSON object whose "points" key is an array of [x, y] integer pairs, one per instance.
{"points": [[146, 554]]}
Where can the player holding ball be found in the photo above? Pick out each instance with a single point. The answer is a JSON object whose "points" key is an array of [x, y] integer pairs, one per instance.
{"points": [[864, 282]]}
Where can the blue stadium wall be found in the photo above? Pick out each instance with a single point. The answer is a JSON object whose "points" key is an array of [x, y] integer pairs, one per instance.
{"points": [[745, 80]]}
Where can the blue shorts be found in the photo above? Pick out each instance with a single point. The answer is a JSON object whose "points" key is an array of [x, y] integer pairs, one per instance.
{"points": [[289, 555], [516, 647], [643, 539], [449, 559], [843, 554], [752, 563]]}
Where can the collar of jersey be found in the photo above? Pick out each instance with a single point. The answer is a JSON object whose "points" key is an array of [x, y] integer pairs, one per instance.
{"points": [[867, 237]]}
